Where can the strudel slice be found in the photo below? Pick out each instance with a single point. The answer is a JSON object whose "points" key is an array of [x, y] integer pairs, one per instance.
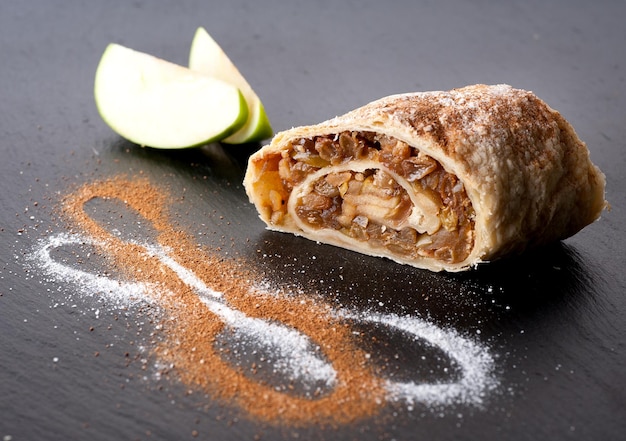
{"points": [[437, 180]]}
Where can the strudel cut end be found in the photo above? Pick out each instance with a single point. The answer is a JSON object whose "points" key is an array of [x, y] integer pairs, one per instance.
{"points": [[436, 180]]}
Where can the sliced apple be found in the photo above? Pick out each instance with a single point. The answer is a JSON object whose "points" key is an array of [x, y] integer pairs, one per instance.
{"points": [[155, 103], [207, 57]]}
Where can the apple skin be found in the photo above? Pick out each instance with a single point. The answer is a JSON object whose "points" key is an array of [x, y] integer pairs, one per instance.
{"points": [[262, 126], [159, 104], [207, 57]]}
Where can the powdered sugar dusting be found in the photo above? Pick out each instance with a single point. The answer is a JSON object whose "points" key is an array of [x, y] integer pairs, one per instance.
{"points": [[475, 361], [120, 293], [297, 357]]}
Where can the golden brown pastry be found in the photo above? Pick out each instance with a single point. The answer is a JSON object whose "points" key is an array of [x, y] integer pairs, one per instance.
{"points": [[437, 180]]}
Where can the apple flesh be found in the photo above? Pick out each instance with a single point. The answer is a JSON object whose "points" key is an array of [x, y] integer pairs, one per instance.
{"points": [[207, 57], [155, 103]]}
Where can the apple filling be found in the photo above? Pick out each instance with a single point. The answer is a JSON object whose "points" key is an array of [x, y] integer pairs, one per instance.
{"points": [[372, 188]]}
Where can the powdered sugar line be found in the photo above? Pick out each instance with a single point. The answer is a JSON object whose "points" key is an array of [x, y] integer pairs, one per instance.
{"points": [[475, 362], [297, 357], [121, 293]]}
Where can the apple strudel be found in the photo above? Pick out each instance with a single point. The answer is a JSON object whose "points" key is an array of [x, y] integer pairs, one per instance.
{"points": [[437, 180]]}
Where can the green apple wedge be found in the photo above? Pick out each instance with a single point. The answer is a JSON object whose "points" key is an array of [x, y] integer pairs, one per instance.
{"points": [[155, 103], [207, 57]]}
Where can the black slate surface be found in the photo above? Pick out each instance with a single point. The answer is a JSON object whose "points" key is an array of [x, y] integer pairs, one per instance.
{"points": [[554, 319]]}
